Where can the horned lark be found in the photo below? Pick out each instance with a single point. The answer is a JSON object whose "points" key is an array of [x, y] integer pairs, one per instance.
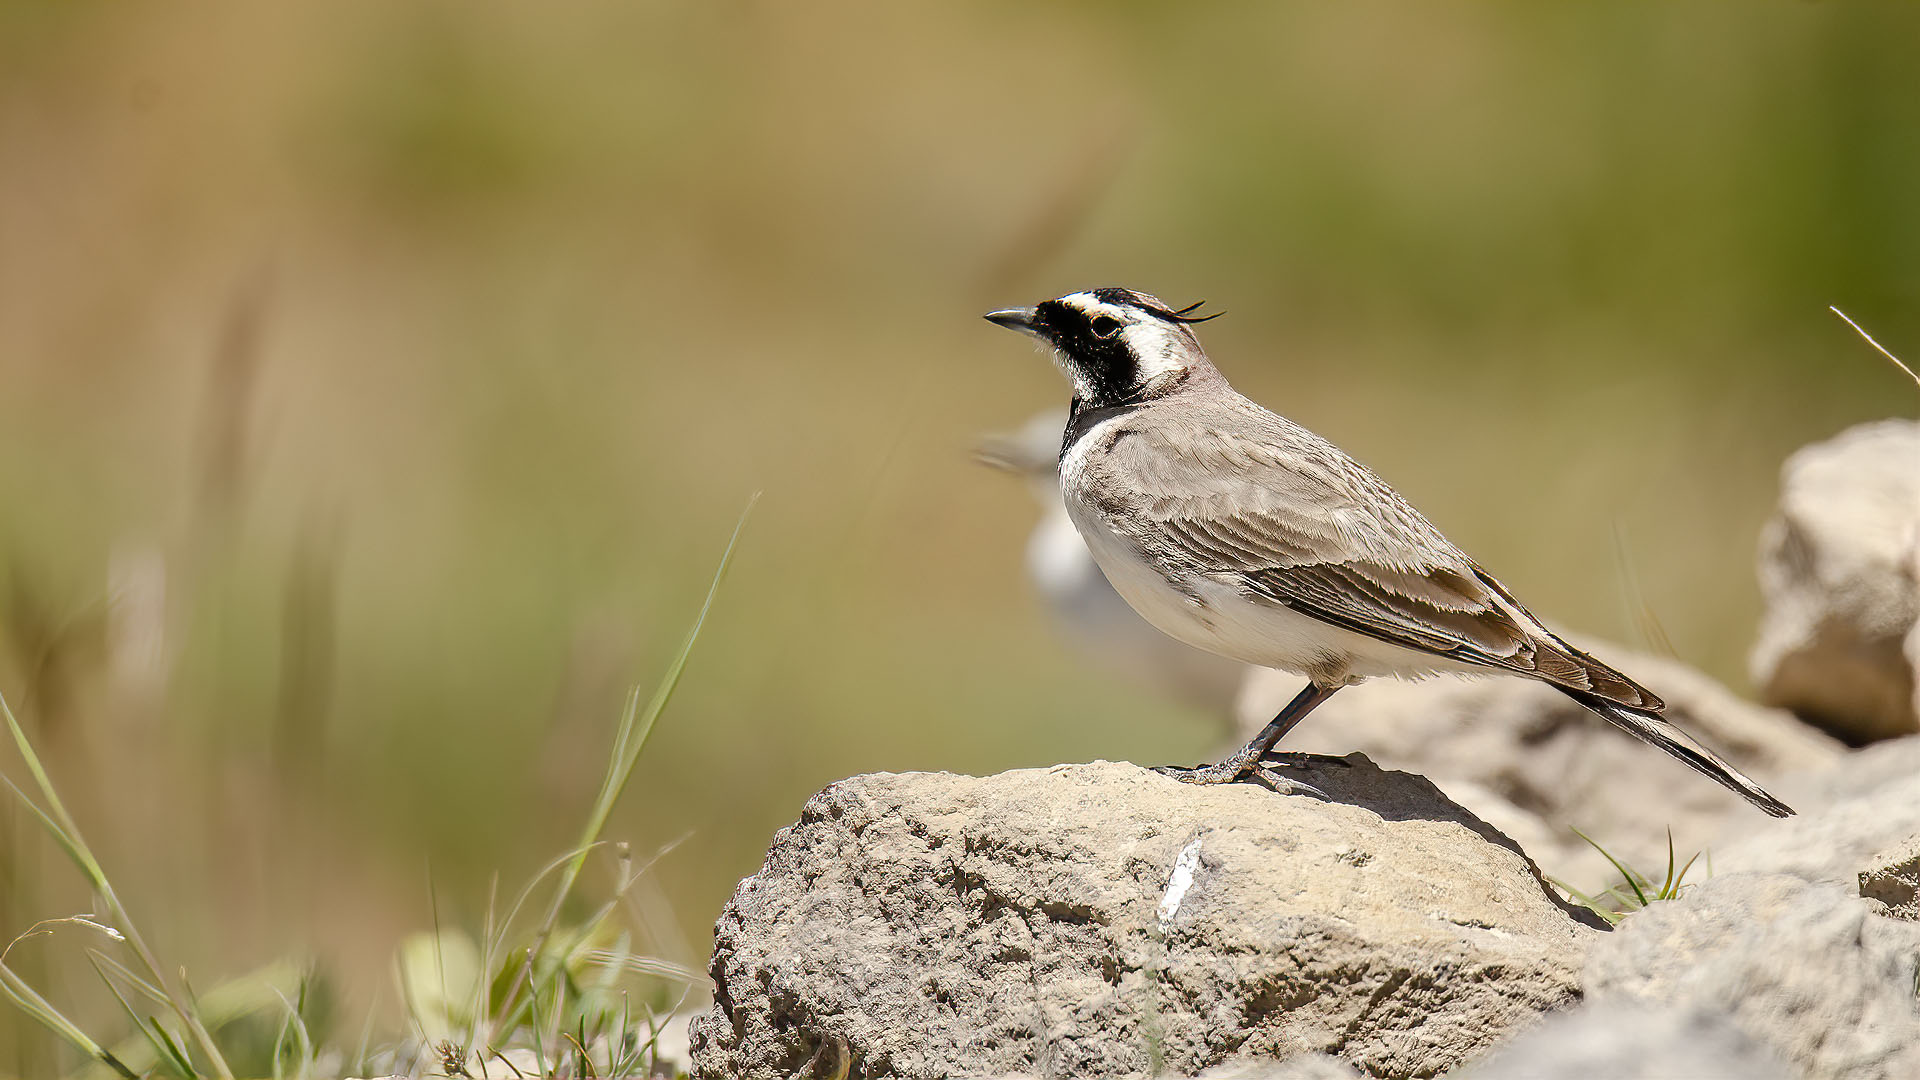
{"points": [[1244, 534]]}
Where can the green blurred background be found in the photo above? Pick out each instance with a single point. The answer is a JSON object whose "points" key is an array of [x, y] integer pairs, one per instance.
{"points": [[379, 383]]}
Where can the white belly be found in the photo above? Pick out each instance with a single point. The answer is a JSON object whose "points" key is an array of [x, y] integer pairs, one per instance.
{"points": [[1220, 618]]}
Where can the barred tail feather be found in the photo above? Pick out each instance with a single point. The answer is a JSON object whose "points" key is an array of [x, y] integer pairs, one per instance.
{"points": [[1651, 728]]}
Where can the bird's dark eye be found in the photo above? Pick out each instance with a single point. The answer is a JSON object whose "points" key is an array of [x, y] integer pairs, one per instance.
{"points": [[1104, 326]]}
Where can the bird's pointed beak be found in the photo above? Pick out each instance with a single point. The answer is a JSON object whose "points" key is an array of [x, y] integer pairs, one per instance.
{"points": [[1021, 319]]}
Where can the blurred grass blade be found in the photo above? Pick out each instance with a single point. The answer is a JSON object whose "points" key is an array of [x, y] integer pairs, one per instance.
{"points": [[1623, 903], [1591, 903], [171, 1049], [480, 1009], [1665, 891], [55, 817], [67, 834], [1897, 362], [533, 1028], [617, 1067], [104, 965], [642, 965], [508, 1013], [633, 733], [67, 842], [162, 1051], [584, 1062], [40, 1009], [358, 1064], [1632, 879], [1681, 881], [630, 738], [636, 725], [296, 1026]]}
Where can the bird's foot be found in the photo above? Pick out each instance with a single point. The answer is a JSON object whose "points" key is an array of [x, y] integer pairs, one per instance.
{"points": [[1241, 767]]}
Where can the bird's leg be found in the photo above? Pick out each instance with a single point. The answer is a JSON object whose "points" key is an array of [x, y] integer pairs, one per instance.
{"points": [[1300, 759], [1245, 763]]}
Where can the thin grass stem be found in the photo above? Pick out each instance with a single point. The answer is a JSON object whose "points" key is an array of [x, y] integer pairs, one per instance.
{"points": [[67, 833]]}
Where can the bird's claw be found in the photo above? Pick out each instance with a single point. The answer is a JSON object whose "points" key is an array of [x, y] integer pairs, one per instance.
{"points": [[1281, 785], [1232, 771]]}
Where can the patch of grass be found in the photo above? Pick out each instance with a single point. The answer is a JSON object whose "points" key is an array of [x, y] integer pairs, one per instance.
{"points": [[1635, 890], [530, 997], [172, 1041]]}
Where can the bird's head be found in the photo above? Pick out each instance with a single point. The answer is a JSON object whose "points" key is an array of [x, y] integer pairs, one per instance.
{"points": [[1118, 346]]}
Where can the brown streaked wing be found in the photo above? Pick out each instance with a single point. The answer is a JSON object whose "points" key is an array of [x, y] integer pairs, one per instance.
{"points": [[1307, 526]]}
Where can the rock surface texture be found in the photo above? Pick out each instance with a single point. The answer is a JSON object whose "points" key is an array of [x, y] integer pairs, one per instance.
{"points": [[1304, 1067], [1531, 761], [1805, 940], [1630, 1041], [1838, 574], [1102, 920], [1867, 804], [1893, 878], [1811, 971]]}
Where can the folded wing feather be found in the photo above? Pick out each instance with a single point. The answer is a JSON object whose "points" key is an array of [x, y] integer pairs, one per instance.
{"points": [[1304, 525]]}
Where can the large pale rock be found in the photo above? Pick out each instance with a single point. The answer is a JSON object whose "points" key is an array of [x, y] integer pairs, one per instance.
{"points": [[1102, 920], [1837, 573], [1867, 803], [1624, 1040], [1509, 749], [1810, 971]]}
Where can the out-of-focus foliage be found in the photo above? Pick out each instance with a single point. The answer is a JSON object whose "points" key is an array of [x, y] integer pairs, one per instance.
{"points": [[377, 382]]}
